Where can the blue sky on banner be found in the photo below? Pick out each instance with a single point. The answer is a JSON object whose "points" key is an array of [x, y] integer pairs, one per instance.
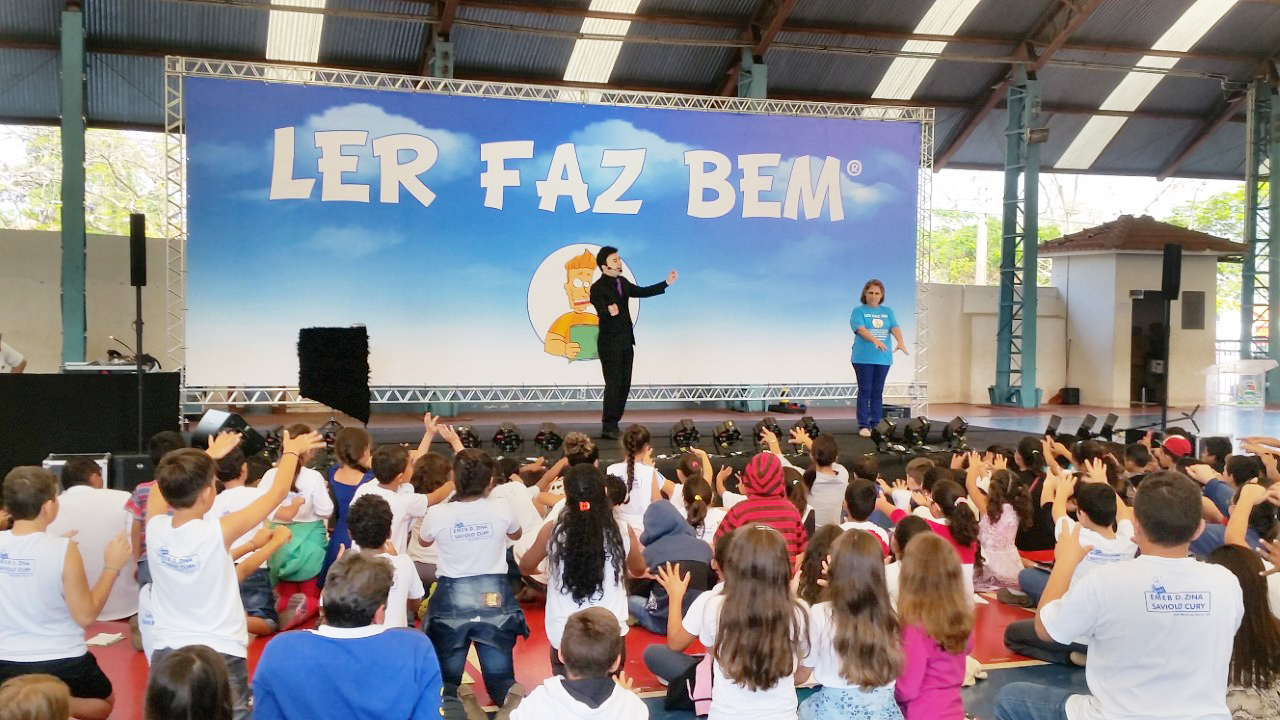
{"points": [[442, 276]]}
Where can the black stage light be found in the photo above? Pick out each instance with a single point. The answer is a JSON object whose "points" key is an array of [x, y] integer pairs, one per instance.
{"points": [[727, 436], [508, 439], [1108, 430], [953, 433], [468, 437], [1052, 428], [549, 437], [810, 427], [770, 423], [1086, 426], [916, 431], [882, 434], [684, 435]]}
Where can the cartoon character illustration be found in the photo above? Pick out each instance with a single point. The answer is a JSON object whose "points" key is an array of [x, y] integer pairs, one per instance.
{"points": [[573, 335]]}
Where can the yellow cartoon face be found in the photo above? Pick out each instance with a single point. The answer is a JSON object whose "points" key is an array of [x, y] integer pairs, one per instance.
{"points": [[578, 288]]}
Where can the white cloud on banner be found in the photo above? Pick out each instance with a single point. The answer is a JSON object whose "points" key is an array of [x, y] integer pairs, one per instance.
{"points": [[459, 152], [352, 242]]}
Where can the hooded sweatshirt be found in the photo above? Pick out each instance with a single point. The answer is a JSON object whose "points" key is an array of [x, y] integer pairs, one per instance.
{"points": [[766, 489], [668, 538], [551, 700]]}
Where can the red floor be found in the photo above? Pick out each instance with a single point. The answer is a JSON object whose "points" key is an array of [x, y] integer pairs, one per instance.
{"points": [[128, 670]]}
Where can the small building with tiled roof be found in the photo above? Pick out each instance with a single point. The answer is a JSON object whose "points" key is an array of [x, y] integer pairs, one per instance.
{"points": [[1141, 234], [1110, 278]]}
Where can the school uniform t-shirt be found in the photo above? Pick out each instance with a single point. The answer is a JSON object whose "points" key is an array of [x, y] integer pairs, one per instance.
{"points": [[879, 321], [312, 488], [1160, 636], [876, 531], [235, 499], [35, 622], [728, 698], [1105, 550], [822, 656], [195, 597], [405, 586], [639, 496], [472, 536], [407, 507], [612, 595]]}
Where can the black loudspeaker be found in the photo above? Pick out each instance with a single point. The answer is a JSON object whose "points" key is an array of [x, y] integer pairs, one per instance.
{"points": [[138, 250], [128, 471], [215, 421], [333, 368], [1171, 281]]}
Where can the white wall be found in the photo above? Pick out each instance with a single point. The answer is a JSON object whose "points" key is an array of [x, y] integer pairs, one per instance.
{"points": [[962, 342], [31, 291]]}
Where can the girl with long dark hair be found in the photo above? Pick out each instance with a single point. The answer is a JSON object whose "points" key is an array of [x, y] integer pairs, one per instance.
{"points": [[644, 482], [1004, 509], [936, 612], [754, 628], [1253, 692], [855, 645], [588, 553]]}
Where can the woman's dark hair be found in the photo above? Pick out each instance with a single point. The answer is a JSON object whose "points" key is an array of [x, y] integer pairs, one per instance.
{"points": [[586, 538], [1009, 454], [823, 454], [1007, 487], [697, 498], [811, 562], [349, 446], [863, 297], [797, 491], [964, 524], [1262, 519], [762, 629], [634, 439], [1255, 657], [1243, 468], [472, 473], [190, 683], [864, 625]]}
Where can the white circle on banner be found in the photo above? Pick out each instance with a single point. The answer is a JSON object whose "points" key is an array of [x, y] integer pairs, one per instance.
{"points": [[561, 286]]}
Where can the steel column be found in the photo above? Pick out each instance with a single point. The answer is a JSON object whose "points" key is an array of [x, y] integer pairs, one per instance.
{"points": [[73, 223], [753, 77], [1016, 326], [1259, 334]]}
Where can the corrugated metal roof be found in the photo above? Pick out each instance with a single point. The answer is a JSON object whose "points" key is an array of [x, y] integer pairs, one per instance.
{"points": [[373, 43], [29, 19], [26, 79], [124, 89], [128, 37]]}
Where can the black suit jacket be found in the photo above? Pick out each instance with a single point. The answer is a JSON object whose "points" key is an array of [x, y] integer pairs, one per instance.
{"points": [[617, 330]]}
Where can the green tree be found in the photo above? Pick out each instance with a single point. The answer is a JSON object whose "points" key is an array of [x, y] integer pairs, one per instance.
{"points": [[954, 253], [1220, 214], [124, 173]]}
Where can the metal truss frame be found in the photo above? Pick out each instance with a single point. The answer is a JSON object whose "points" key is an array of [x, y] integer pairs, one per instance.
{"points": [[1259, 332], [177, 69], [913, 393]]}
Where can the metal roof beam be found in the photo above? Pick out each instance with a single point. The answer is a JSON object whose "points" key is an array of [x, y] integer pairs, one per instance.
{"points": [[1227, 110], [764, 27], [448, 13], [1067, 18]]}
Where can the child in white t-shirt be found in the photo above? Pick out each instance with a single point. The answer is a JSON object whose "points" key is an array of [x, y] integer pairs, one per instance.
{"points": [[392, 467], [644, 482], [195, 596], [591, 650], [755, 676], [473, 602], [855, 646], [1160, 627], [370, 525]]}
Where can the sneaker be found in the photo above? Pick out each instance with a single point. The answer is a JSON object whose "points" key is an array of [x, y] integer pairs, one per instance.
{"points": [[864, 432], [1078, 658], [1017, 599]]}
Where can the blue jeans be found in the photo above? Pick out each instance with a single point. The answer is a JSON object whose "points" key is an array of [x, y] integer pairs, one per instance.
{"points": [[1032, 581], [1029, 701], [256, 596], [480, 610], [640, 611], [870, 393]]}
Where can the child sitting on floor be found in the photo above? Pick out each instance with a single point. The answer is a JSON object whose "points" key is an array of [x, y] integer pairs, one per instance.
{"points": [[1004, 508], [855, 645], [859, 503], [591, 650], [370, 526], [936, 611]]}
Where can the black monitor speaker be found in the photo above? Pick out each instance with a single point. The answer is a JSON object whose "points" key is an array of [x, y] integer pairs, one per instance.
{"points": [[215, 421], [1171, 280]]}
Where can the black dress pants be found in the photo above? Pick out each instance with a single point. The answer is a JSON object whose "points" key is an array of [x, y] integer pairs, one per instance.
{"points": [[615, 363]]}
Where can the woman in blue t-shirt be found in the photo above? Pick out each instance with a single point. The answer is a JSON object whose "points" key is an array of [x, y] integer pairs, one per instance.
{"points": [[872, 323]]}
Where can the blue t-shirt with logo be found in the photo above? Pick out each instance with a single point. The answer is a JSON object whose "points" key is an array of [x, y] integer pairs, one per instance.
{"points": [[879, 320]]}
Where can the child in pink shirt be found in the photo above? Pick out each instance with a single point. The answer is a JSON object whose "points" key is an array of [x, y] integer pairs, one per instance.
{"points": [[937, 619]]}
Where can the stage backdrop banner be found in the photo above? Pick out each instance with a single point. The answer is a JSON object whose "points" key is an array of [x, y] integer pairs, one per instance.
{"points": [[462, 232]]}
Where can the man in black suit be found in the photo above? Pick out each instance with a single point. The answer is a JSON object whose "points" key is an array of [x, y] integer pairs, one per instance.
{"points": [[609, 296]]}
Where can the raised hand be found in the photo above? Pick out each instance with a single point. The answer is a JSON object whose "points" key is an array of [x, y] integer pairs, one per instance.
{"points": [[672, 277], [118, 551], [1069, 549], [301, 444], [799, 436], [430, 423], [671, 580], [223, 443]]}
